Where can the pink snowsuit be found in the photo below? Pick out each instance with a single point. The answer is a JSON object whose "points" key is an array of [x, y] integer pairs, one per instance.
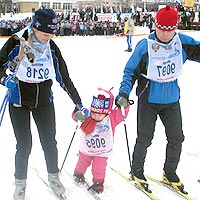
{"points": [[96, 147]]}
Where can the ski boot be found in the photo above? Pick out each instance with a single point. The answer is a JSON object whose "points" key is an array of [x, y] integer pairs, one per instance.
{"points": [[79, 178], [142, 184], [128, 50], [56, 185], [140, 180], [97, 187], [20, 189], [171, 179]]}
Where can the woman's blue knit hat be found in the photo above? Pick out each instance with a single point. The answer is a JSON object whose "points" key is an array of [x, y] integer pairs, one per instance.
{"points": [[45, 20]]}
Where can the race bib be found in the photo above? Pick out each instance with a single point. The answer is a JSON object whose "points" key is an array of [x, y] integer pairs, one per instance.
{"points": [[165, 60], [40, 70]]}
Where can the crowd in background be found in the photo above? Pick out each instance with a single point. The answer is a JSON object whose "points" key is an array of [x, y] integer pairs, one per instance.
{"points": [[87, 23], [89, 27], [83, 26]]}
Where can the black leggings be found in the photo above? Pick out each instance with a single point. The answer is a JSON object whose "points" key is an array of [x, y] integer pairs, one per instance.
{"points": [[44, 118]]}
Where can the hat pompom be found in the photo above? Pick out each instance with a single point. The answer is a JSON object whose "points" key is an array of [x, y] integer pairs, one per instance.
{"points": [[101, 97], [167, 7]]}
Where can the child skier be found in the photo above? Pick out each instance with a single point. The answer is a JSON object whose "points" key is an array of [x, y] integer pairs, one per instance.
{"points": [[97, 132]]}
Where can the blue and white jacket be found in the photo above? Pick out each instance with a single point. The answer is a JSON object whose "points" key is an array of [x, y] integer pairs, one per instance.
{"points": [[136, 69]]}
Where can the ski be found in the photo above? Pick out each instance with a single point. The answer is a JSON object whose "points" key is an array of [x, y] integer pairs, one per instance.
{"points": [[86, 186], [151, 195], [195, 154], [179, 193], [61, 197]]}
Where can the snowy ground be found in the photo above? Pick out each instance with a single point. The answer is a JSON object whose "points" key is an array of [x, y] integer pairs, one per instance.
{"points": [[93, 62], [19, 16]]}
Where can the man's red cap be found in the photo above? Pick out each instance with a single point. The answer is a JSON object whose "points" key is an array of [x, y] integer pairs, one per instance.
{"points": [[167, 18]]}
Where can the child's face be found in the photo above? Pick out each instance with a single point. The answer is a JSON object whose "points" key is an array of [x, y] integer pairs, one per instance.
{"points": [[97, 116]]}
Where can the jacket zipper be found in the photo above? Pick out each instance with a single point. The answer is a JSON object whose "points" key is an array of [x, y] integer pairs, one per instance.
{"points": [[146, 86]]}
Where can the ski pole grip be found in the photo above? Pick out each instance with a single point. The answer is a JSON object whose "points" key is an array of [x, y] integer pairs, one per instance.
{"points": [[123, 113]]}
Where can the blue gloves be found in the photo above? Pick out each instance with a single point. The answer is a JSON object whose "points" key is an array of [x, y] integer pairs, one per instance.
{"points": [[10, 82], [122, 100], [80, 113]]}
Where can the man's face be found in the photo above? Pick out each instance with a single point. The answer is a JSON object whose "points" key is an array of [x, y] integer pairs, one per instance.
{"points": [[164, 36]]}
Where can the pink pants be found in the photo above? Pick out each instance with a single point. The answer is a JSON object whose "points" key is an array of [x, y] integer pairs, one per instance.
{"points": [[98, 166]]}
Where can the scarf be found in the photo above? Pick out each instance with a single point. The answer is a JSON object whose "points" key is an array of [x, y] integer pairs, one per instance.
{"points": [[88, 125]]}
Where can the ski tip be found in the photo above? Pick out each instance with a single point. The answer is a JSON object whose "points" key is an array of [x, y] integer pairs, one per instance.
{"points": [[63, 196]]}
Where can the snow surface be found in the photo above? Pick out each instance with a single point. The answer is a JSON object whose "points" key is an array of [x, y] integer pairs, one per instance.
{"points": [[18, 16], [93, 62]]}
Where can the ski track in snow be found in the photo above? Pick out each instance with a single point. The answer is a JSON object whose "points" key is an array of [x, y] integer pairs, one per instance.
{"points": [[93, 62]]}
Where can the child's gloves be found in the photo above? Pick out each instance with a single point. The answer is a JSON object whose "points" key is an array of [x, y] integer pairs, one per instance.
{"points": [[80, 113], [122, 100], [10, 82]]}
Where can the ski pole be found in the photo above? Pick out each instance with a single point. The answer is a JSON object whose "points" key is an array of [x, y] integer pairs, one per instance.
{"points": [[69, 147], [127, 142], [3, 106], [80, 108], [13, 65]]}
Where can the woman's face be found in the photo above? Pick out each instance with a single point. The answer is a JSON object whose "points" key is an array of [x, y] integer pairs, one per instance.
{"points": [[42, 36], [164, 36]]}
